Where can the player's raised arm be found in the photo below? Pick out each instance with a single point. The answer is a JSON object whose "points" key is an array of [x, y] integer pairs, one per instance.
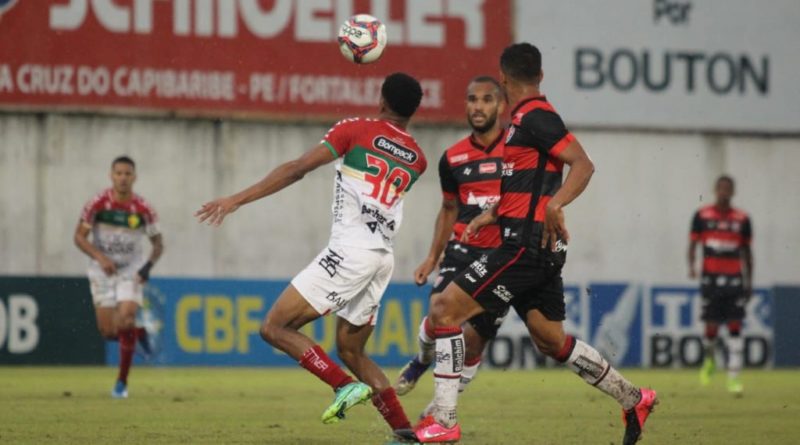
{"points": [[581, 169], [284, 175]]}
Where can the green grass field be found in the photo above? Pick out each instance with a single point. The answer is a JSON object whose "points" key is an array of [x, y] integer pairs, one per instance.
{"points": [[71, 405]]}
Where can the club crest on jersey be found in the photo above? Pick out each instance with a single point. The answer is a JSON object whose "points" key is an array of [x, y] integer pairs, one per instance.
{"points": [[386, 145], [5, 5], [487, 168], [134, 221]]}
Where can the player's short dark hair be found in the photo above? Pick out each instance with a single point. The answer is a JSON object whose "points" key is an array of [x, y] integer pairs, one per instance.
{"points": [[501, 92], [521, 62], [726, 178], [401, 93], [123, 160]]}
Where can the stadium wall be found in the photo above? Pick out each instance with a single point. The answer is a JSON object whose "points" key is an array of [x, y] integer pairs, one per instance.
{"points": [[631, 224]]}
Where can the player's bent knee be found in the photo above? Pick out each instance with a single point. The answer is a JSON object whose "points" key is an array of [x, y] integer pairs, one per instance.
{"points": [[269, 333], [443, 312]]}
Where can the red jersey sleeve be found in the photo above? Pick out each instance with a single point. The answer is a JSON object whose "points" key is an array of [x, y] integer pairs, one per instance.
{"points": [[548, 130], [339, 139], [90, 210]]}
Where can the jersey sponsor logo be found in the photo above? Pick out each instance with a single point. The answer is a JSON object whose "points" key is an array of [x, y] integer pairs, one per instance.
{"points": [[330, 262], [508, 168], [484, 202], [379, 218], [467, 171], [334, 298], [459, 158], [470, 278], [487, 168], [396, 150], [503, 293], [484, 258]]}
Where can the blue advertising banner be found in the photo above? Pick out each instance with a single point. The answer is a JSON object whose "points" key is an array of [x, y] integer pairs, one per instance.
{"points": [[633, 324], [216, 322]]}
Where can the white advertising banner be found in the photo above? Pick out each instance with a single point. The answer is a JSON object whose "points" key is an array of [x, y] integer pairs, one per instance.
{"points": [[727, 65]]}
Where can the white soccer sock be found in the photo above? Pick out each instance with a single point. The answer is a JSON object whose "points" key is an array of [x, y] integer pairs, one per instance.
{"points": [[427, 345], [596, 371], [447, 373], [468, 375], [735, 355]]}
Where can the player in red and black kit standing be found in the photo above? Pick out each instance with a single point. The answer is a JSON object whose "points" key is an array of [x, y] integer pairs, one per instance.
{"points": [[469, 174], [525, 271], [726, 284]]}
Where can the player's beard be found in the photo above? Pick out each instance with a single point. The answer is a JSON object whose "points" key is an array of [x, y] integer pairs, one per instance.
{"points": [[488, 123]]}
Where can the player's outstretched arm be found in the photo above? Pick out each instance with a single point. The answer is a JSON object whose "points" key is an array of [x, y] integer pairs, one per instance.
{"points": [[442, 230], [284, 175], [581, 169], [81, 239]]}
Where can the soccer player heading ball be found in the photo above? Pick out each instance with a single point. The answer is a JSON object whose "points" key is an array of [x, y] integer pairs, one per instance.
{"points": [[377, 164], [525, 271]]}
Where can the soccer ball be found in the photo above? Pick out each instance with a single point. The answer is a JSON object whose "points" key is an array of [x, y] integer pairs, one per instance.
{"points": [[362, 38]]}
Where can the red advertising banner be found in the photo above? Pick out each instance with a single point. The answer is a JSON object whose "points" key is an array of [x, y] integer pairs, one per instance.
{"points": [[276, 58]]}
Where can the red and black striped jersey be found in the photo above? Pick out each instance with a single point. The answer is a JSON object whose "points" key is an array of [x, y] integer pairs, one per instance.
{"points": [[532, 173], [470, 173], [723, 234]]}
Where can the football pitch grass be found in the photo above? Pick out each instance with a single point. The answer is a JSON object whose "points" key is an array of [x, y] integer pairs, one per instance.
{"points": [[72, 405]]}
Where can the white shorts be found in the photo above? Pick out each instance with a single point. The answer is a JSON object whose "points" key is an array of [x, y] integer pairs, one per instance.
{"points": [[347, 280], [110, 291]]}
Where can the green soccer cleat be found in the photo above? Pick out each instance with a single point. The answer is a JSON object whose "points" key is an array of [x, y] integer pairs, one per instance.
{"points": [[735, 386], [347, 397], [706, 371]]}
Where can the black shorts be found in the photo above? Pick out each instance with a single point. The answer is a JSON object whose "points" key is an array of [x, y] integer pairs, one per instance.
{"points": [[458, 257], [524, 278], [723, 299]]}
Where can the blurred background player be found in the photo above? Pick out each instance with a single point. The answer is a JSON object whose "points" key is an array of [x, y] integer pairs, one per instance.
{"points": [[469, 175], [119, 220], [525, 271], [726, 283], [378, 162]]}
